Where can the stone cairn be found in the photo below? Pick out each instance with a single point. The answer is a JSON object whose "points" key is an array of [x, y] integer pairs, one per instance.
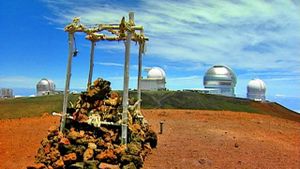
{"points": [[92, 136]]}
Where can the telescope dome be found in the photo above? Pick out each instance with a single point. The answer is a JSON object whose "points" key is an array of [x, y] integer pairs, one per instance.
{"points": [[156, 73], [222, 78], [256, 90], [45, 87]]}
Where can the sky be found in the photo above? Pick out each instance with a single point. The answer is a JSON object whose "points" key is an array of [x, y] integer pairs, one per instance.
{"points": [[257, 39]]}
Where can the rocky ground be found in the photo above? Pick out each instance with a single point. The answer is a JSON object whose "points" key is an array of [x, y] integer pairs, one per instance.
{"points": [[190, 139]]}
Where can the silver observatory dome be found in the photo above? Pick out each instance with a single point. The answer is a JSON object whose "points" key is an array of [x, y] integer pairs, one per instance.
{"points": [[220, 78], [45, 87], [256, 90]]}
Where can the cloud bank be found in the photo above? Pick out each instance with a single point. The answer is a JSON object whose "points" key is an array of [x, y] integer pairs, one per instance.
{"points": [[258, 39], [246, 34]]}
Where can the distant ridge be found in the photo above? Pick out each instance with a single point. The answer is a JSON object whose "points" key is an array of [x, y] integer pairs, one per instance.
{"points": [[36, 106], [193, 100]]}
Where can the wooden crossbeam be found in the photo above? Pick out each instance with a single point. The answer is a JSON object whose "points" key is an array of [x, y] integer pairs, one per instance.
{"points": [[124, 31]]}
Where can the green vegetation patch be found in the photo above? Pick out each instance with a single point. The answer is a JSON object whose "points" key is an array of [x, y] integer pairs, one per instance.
{"points": [[31, 106], [36, 106]]}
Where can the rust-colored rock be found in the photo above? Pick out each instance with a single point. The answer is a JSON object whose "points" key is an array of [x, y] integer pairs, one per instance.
{"points": [[54, 154], [81, 134], [92, 146], [86, 141], [70, 157], [50, 167], [53, 129], [134, 148], [65, 141], [106, 155], [47, 148], [108, 166], [120, 150], [146, 150], [129, 166], [73, 135], [59, 164], [37, 166], [137, 160], [88, 154]]}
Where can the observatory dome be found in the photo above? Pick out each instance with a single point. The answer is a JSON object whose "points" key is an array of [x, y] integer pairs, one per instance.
{"points": [[44, 87], [156, 73], [222, 78], [256, 90]]}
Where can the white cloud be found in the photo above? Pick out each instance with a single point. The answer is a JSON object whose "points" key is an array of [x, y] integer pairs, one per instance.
{"points": [[112, 46], [184, 78], [109, 64], [18, 81], [280, 95], [256, 38], [285, 79], [183, 82], [246, 34]]}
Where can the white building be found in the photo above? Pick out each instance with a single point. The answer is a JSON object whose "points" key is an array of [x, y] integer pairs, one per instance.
{"points": [[6, 93], [221, 79], [256, 90], [203, 91], [156, 80], [45, 87]]}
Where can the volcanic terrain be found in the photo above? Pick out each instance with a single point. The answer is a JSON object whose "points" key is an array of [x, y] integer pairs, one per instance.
{"points": [[190, 139]]}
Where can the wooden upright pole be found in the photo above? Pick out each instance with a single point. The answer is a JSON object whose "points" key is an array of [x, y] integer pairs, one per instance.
{"points": [[126, 83], [93, 43], [68, 78], [140, 60]]}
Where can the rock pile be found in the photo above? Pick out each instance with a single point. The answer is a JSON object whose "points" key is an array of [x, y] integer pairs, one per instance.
{"points": [[91, 138]]}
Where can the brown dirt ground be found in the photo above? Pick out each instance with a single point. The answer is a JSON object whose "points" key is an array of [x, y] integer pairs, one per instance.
{"points": [[190, 139]]}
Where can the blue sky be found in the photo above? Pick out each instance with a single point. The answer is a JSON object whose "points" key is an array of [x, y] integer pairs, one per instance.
{"points": [[257, 39]]}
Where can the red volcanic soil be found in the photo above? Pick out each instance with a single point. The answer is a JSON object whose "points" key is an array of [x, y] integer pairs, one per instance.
{"points": [[190, 139]]}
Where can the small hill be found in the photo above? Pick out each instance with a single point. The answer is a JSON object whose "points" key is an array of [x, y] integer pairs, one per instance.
{"points": [[198, 101], [31, 106], [36, 106]]}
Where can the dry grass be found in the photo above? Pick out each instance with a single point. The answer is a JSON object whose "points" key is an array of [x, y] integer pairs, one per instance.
{"points": [[36, 106]]}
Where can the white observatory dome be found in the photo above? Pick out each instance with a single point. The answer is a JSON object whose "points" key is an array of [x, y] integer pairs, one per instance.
{"points": [[156, 73], [256, 90], [45, 87], [222, 78]]}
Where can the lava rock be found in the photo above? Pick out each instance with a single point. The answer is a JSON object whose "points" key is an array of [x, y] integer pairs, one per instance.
{"points": [[108, 166], [88, 144]]}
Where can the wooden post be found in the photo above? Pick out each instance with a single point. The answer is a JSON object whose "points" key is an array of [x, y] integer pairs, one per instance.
{"points": [[140, 60], [93, 43], [68, 78], [161, 123], [126, 83]]}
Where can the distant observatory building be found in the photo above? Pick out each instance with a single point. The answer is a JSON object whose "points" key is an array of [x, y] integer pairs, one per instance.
{"points": [[256, 90], [45, 87], [6, 93], [156, 80], [220, 79]]}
